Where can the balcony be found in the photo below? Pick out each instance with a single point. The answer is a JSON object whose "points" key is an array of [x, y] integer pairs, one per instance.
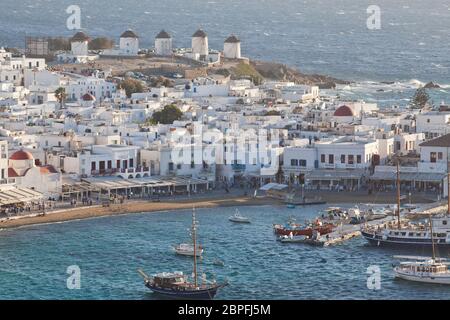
{"points": [[130, 173]]}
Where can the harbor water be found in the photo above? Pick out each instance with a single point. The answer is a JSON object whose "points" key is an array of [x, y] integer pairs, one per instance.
{"points": [[34, 260]]}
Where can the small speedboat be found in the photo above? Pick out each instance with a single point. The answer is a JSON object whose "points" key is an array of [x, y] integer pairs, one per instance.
{"points": [[187, 249], [292, 239], [218, 263], [238, 218]]}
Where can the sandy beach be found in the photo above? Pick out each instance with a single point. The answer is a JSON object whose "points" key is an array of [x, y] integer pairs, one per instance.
{"points": [[207, 201], [129, 207]]}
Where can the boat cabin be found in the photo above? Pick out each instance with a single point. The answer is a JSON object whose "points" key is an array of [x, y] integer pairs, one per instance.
{"points": [[169, 279]]}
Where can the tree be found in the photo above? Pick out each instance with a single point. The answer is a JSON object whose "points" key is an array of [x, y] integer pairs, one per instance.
{"points": [[101, 43], [167, 115], [60, 95], [420, 98], [131, 86]]}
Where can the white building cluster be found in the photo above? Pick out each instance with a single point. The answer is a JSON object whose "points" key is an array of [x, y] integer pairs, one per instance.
{"points": [[232, 132]]}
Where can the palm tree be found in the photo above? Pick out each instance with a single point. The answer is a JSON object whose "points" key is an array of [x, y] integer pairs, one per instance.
{"points": [[60, 95]]}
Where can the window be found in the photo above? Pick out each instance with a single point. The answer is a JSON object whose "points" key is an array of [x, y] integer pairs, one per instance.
{"points": [[302, 163], [444, 222], [440, 155], [358, 158], [322, 158], [433, 157], [351, 159], [342, 158], [331, 158], [118, 164], [93, 166], [109, 164], [294, 162], [131, 163]]}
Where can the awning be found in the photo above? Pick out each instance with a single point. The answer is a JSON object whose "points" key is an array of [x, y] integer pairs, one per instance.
{"points": [[408, 176], [13, 195], [334, 175], [273, 186]]}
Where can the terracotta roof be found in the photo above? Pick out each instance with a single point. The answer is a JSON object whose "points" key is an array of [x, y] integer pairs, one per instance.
{"points": [[442, 141], [199, 34], [88, 97], [21, 155], [129, 34], [163, 35], [343, 111], [12, 173], [47, 169], [80, 37], [232, 39]]}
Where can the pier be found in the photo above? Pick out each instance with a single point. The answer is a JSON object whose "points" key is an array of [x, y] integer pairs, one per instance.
{"points": [[346, 232]]}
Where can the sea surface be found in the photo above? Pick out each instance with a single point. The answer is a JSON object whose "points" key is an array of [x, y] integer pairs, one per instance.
{"points": [[108, 251], [316, 36]]}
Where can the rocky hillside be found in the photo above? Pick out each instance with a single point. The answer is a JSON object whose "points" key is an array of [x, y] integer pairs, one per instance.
{"points": [[278, 71]]}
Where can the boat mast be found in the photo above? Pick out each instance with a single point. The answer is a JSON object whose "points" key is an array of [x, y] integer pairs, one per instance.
{"points": [[448, 185], [195, 245], [398, 194], [432, 239]]}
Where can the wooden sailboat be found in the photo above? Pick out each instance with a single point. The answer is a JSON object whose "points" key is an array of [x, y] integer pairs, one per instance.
{"points": [[179, 286]]}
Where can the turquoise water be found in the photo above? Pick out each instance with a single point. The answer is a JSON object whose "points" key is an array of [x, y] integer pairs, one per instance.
{"points": [[34, 260]]}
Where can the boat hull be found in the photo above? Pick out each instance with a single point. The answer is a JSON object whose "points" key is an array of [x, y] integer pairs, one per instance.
{"points": [[239, 221], [303, 232], [423, 278], [378, 240], [202, 294], [189, 253]]}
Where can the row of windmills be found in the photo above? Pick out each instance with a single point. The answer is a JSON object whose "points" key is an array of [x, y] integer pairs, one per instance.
{"points": [[129, 46]]}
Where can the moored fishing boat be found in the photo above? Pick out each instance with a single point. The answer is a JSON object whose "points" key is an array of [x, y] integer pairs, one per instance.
{"points": [[303, 230], [409, 234]]}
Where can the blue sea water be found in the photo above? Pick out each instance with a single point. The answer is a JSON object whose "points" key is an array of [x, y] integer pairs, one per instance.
{"points": [[317, 36], [34, 260]]}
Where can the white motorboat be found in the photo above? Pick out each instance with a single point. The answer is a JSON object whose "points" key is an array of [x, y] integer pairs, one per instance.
{"points": [[238, 218], [187, 249], [292, 239], [424, 269], [427, 271]]}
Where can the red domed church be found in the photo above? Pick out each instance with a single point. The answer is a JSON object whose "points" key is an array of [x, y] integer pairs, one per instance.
{"points": [[25, 172]]}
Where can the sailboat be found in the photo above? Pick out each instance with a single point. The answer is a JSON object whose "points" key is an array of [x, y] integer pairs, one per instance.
{"points": [[416, 235], [424, 269], [178, 285]]}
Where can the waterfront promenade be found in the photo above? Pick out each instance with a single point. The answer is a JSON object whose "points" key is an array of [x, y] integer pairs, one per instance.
{"points": [[218, 198]]}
